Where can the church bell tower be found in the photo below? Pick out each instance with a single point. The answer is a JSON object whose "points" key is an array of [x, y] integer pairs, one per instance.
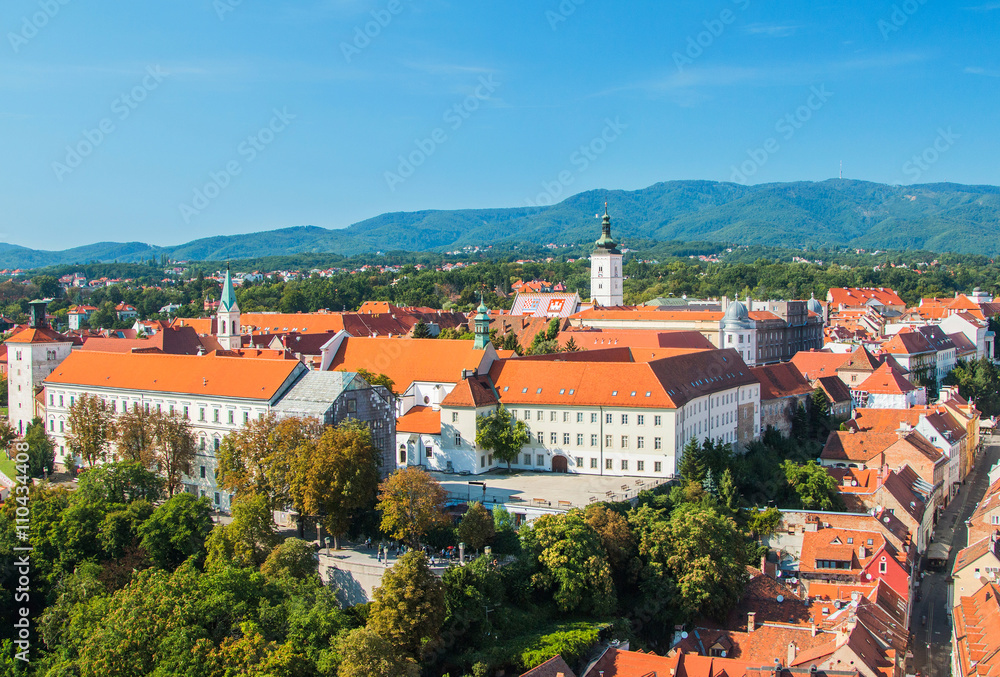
{"points": [[606, 279], [228, 317]]}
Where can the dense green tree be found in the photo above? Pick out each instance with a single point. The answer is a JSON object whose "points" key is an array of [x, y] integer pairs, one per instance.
{"points": [[366, 654], [476, 529], [336, 476], [421, 330], [247, 540], [815, 487], [979, 382], [411, 503], [408, 607], [41, 449], [571, 562], [91, 428], [122, 482], [706, 556], [499, 432], [177, 530], [293, 558]]}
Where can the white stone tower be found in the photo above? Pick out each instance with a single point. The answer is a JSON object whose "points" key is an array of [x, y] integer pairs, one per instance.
{"points": [[606, 279], [228, 317]]}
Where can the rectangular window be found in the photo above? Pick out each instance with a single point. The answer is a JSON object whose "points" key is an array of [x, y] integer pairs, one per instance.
{"points": [[539, 459], [454, 417], [428, 452], [607, 418], [624, 419], [541, 438], [202, 472], [624, 465], [52, 400], [565, 417], [552, 416], [527, 459], [608, 441], [527, 414], [540, 415], [482, 461], [608, 464], [202, 444], [657, 466], [215, 415], [640, 442], [579, 461], [593, 463], [61, 424], [640, 466], [995, 519], [656, 420], [656, 443], [593, 418], [624, 441], [232, 416], [553, 438], [186, 413], [593, 440], [579, 439], [201, 415], [246, 415], [566, 439], [640, 419], [215, 443], [579, 417], [458, 439], [52, 425]]}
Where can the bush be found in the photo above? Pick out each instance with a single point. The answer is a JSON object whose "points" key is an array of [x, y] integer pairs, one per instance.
{"points": [[572, 645]]}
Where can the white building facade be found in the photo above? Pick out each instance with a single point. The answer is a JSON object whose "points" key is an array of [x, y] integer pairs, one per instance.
{"points": [[606, 277]]}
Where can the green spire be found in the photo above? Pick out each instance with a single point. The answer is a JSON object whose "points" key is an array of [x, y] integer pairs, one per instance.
{"points": [[228, 300], [607, 242], [482, 325]]}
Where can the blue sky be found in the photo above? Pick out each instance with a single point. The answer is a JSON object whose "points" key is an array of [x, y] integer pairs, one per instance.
{"points": [[165, 121]]}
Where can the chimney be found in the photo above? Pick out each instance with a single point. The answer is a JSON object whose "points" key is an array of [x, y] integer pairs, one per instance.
{"points": [[763, 564], [792, 650], [751, 621], [862, 552], [814, 629]]}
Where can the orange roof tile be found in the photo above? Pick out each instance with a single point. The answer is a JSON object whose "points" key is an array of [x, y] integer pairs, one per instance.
{"points": [[471, 392], [651, 315], [420, 419], [43, 335], [856, 446], [886, 381], [854, 297], [408, 360], [817, 364], [977, 632], [780, 380], [182, 374]]}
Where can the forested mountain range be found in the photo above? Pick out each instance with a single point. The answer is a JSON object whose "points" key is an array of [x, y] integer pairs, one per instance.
{"points": [[940, 217]]}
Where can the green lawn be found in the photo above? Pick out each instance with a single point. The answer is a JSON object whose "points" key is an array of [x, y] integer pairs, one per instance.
{"points": [[7, 466]]}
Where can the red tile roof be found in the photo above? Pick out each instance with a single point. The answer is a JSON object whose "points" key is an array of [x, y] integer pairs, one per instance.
{"points": [[780, 380], [817, 364], [908, 342], [886, 381], [43, 335], [471, 392], [852, 297], [856, 446], [420, 419], [407, 360], [977, 632], [182, 374]]}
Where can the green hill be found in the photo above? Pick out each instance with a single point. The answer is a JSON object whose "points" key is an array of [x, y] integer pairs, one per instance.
{"points": [[937, 217]]}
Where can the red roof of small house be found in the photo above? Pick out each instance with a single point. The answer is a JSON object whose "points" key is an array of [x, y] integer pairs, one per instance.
{"points": [[886, 381], [780, 380], [420, 419]]}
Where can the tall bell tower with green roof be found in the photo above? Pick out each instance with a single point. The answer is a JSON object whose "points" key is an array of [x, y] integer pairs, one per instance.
{"points": [[482, 325], [606, 279], [228, 317]]}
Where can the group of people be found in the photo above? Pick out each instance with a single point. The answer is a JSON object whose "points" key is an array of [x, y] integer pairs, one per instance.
{"points": [[385, 550]]}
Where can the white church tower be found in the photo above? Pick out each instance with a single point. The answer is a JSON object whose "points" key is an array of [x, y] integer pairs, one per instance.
{"points": [[606, 280], [228, 317]]}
